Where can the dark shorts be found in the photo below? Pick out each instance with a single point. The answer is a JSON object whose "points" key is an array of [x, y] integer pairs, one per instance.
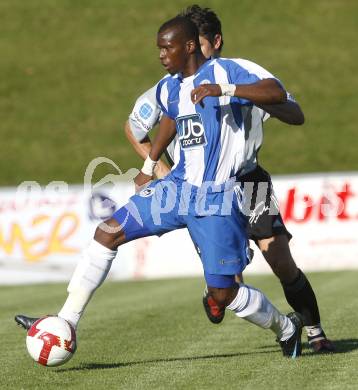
{"points": [[261, 206]]}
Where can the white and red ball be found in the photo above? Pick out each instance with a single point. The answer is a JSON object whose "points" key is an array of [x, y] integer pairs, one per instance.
{"points": [[51, 341]]}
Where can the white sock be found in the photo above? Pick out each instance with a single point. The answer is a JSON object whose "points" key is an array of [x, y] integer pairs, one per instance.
{"points": [[89, 274], [252, 305], [315, 331]]}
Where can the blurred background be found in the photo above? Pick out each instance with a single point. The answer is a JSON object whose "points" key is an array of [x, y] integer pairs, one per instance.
{"points": [[71, 71], [70, 74]]}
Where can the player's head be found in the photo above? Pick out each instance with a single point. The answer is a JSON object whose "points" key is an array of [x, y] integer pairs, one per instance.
{"points": [[209, 26], [177, 40]]}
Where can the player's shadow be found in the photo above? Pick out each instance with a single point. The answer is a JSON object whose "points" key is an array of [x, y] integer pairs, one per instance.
{"points": [[103, 366], [341, 346]]}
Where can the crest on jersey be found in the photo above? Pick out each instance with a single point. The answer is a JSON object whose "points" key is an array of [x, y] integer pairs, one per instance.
{"points": [[191, 131], [147, 192]]}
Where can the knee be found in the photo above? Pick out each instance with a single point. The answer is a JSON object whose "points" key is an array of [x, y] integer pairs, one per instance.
{"points": [[283, 267], [278, 264], [109, 234], [277, 253], [223, 296]]}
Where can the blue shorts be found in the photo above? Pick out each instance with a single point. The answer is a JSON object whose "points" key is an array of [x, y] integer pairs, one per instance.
{"points": [[220, 281], [168, 205]]}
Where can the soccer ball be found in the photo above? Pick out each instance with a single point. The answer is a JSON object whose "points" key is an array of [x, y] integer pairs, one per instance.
{"points": [[51, 341]]}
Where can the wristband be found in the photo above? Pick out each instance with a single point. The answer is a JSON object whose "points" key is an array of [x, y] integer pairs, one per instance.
{"points": [[227, 89], [149, 166]]}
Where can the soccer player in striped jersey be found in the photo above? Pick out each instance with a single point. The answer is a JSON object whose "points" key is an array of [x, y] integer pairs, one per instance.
{"points": [[199, 192], [266, 229]]}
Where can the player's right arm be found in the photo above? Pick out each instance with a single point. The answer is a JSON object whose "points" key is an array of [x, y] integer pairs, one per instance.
{"points": [[167, 126], [164, 136], [144, 117]]}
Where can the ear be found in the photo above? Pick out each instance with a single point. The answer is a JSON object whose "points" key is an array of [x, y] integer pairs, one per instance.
{"points": [[217, 41], [191, 46]]}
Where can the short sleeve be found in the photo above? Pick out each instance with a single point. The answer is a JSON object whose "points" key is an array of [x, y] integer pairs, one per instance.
{"points": [[145, 115], [242, 71], [263, 114], [239, 74], [254, 69]]}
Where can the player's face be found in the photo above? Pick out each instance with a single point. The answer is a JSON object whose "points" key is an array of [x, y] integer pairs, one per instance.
{"points": [[172, 51], [210, 49], [206, 47]]}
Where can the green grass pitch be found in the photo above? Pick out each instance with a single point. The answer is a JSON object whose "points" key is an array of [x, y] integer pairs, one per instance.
{"points": [[154, 335]]}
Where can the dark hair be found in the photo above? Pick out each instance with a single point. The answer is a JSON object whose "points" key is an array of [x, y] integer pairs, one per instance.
{"points": [[186, 26], [206, 21]]}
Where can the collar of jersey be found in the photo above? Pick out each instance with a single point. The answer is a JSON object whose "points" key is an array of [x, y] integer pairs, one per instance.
{"points": [[196, 74]]}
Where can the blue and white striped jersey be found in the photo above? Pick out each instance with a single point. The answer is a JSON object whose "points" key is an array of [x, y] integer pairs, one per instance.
{"points": [[217, 141]]}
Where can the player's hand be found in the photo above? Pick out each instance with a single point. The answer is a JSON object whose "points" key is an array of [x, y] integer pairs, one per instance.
{"points": [[141, 181], [204, 90], [161, 170]]}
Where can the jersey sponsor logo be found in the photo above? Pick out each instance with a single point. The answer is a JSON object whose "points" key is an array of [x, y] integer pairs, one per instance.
{"points": [[141, 123], [145, 111], [223, 261], [191, 131]]}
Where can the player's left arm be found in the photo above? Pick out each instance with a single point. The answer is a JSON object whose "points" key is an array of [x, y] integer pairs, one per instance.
{"points": [[266, 91], [267, 94], [289, 112]]}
